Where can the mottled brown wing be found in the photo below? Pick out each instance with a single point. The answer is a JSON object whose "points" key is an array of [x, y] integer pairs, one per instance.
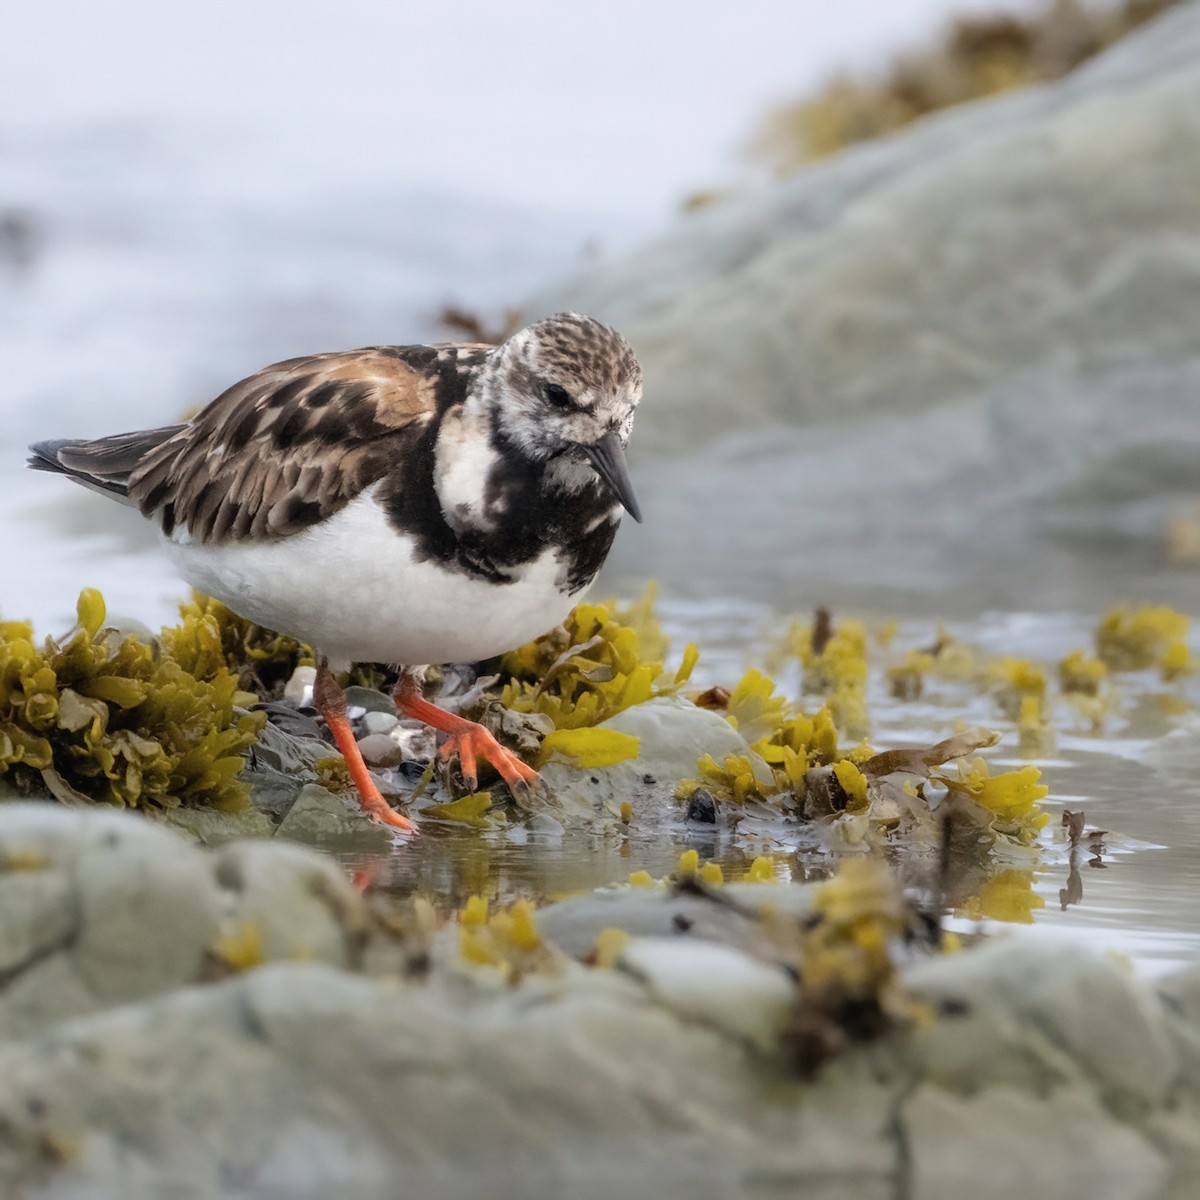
{"points": [[288, 446]]}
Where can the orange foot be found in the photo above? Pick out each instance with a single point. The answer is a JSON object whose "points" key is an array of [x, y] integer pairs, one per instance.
{"points": [[331, 702], [472, 741], [468, 739]]}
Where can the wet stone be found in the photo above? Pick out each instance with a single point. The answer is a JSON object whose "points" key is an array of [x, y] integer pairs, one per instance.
{"points": [[702, 807], [379, 722], [378, 750]]}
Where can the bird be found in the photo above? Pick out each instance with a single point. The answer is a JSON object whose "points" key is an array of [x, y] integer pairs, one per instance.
{"points": [[411, 505]]}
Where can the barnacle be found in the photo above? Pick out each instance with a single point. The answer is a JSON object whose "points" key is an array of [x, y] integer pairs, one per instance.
{"points": [[114, 719]]}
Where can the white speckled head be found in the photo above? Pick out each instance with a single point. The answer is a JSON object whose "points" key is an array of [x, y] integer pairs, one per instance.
{"points": [[567, 381]]}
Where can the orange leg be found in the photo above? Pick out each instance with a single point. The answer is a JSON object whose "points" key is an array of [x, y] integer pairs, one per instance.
{"points": [[468, 739], [331, 703]]}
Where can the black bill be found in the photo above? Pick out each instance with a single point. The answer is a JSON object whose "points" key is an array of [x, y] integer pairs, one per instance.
{"points": [[608, 457]]}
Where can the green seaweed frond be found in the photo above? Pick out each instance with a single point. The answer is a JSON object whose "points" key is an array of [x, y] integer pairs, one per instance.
{"points": [[784, 745], [100, 717], [1134, 639], [849, 987], [602, 660], [1013, 681], [835, 667], [211, 638], [1010, 799]]}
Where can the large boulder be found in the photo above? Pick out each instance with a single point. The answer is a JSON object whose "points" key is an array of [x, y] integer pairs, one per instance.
{"points": [[900, 368], [666, 1070]]}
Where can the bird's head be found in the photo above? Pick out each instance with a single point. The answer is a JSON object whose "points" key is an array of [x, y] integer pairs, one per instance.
{"points": [[562, 392]]}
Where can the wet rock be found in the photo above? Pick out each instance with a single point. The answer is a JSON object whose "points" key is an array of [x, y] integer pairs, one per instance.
{"points": [[379, 750], [369, 699], [319, 818], [298, 689], [379, 722], [673, 734], [702, 807], [298, 722], [546, 825], [211, 828]]}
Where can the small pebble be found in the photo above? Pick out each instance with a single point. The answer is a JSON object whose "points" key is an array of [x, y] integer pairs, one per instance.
{"points": [[299, 688], [369, 699], [544, 823], [379, 722], [378, 750], [702, 807]]}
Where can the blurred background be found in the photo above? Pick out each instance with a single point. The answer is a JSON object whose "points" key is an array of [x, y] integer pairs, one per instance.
{"points": [[955, 368]]}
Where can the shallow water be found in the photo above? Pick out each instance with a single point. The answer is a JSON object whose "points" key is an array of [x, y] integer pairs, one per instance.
{"points": [[1140, 896]]}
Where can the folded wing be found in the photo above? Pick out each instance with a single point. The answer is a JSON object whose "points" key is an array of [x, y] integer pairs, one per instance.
{"points": [[277, 452]]}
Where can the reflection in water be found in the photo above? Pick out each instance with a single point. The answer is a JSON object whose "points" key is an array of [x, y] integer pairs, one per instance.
{"points": [[1082, 841], [1136, 774]]}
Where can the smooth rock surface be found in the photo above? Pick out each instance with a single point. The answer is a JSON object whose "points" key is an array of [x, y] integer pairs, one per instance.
{"points": [[672, 735], [379, 750], [124, 1073], [101, 908], [912, 369]]}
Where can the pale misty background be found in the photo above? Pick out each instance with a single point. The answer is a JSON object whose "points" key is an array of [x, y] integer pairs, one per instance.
{"points": [[205, 188]]}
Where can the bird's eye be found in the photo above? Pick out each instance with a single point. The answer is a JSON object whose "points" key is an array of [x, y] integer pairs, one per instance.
{"points": [[558, 396]]}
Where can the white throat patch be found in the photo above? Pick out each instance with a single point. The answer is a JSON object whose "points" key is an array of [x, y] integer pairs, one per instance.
{"points": [[463, 461]]}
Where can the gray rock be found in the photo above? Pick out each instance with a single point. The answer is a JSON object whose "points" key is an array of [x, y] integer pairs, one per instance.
{"points": [[96, 908], [369, 699], [1046, 1067], [318, 817], [295, 904], [728, 917], [1006, 1142], [1036, 1012], [379, 750], [100, 908], [298, 689], [672, 734], [970, 308], [380, 722]]}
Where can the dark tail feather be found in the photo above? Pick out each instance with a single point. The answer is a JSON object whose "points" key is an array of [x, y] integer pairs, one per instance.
{"points": [[104, 465]]}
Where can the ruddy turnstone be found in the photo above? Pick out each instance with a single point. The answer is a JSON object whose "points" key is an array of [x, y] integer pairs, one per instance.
{"points": [[400, 504]]}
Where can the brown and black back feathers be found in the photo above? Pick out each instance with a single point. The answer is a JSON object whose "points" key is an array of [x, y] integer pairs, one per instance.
{"points": [[279, 451]]}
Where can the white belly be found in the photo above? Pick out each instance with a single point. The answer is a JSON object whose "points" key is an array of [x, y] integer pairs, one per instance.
{"points": [[353, 589]]}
